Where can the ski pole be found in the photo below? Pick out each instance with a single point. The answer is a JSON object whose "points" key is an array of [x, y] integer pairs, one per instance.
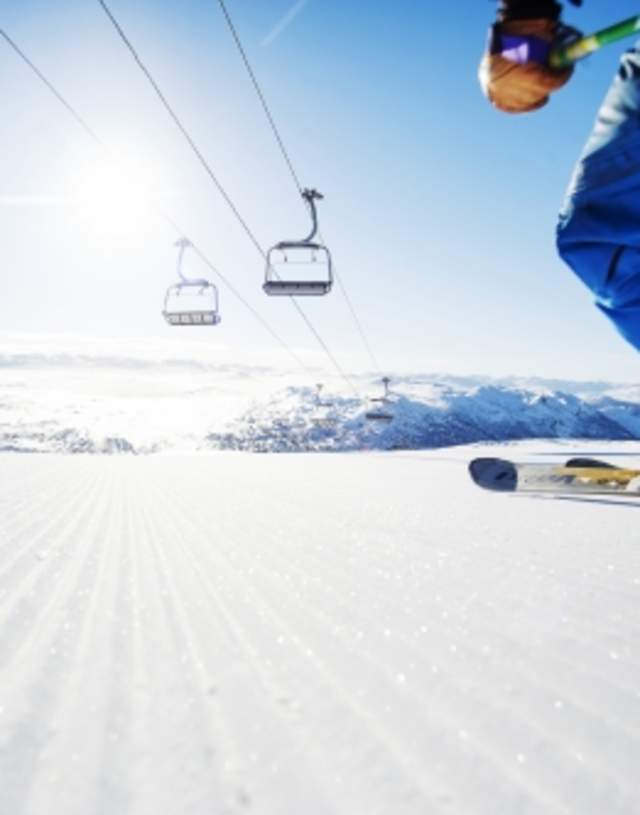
{"points": [[566, 55]]}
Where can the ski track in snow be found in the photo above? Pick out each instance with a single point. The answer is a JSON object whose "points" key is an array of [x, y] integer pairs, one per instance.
{"points": [[349, 634]]}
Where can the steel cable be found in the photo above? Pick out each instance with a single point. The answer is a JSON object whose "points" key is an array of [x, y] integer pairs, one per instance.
{"points": [[93, 135], [128, 44], [294, 175]]}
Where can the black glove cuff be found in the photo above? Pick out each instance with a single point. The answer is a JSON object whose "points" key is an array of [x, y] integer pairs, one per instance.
{"points": [[528, 10]]}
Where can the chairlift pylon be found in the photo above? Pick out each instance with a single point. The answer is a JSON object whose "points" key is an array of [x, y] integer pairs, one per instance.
{"points": [[306, 253], [191, 302]]}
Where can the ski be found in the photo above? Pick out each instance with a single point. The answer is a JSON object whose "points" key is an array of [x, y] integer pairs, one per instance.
{"points": [[576, 476]]}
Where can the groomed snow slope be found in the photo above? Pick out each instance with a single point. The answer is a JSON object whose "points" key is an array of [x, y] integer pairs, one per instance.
{"points": [[305, 634]]}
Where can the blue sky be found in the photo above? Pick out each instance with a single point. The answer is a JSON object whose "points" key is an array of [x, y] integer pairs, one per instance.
{"points": [[440, 212]]}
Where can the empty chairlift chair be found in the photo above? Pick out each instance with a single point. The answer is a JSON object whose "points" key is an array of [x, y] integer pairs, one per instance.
{"points": [[319, 402], [380, 413], [323, 416], [190, 302], [300, 268]]}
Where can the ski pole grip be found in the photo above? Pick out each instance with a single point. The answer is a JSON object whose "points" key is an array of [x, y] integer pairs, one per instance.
{"points": [[567, 55]]}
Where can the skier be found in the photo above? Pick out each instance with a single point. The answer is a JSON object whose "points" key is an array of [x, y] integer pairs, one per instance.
{"points": [[598, 233]]}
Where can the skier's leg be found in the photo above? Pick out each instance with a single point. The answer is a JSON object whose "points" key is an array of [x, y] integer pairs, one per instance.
{"points": [[599, 229]]}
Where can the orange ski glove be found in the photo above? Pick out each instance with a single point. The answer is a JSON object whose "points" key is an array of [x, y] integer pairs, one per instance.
{"points": [[514, 72]]}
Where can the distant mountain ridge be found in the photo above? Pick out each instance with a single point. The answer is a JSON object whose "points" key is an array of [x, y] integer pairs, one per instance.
{"points": [[144, 401], [444, 416]]}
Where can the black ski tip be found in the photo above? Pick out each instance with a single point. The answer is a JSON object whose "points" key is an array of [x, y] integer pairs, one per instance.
{"points": [[494, 474], [586, 463]]}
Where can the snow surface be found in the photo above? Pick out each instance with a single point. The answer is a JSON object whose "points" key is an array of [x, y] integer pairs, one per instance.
{"points": [[316, 633]]}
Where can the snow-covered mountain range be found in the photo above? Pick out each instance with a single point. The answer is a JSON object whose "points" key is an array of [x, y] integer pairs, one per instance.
{"points": [[144, 400], [438, 416]]}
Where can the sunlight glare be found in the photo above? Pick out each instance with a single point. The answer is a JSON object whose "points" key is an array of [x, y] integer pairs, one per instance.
{"points": [[113, 197]]}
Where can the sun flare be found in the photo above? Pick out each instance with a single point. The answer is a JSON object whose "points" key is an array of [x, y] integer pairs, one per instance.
{"points": [[114, 196]]}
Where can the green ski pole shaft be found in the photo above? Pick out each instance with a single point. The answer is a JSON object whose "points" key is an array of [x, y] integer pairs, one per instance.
{"points": [[566, 55]]}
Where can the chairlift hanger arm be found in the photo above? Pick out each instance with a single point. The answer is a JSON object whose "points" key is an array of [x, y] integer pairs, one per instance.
{"points": [[183, 244], [310, 196]]}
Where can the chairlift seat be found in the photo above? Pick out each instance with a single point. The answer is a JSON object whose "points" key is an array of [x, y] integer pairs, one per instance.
{"points": [[191, 317], [192, 303], [314, 256], [297, 288], [378, 416]]}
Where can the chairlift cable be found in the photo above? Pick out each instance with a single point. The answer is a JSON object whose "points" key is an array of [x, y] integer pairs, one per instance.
{"points": [[256, 314], [261, 96], [53, 90], [205, 165], [357, 322], [294, 175], [93, 135], [213, 176]]}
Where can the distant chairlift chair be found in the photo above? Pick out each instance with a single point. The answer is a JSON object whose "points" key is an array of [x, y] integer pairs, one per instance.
{"points": [[379, 414], [190, 302], [319, 402], [314, 275], [323, 417]]}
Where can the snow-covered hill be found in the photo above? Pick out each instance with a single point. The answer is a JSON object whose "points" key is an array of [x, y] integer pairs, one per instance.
{"points": [[145, 399], [442, 415]]}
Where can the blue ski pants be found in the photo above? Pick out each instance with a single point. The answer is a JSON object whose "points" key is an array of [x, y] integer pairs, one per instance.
{"points": [[599, 228]]}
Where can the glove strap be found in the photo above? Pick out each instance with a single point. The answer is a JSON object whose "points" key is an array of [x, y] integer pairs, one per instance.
{"points": [[518, 49]]}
